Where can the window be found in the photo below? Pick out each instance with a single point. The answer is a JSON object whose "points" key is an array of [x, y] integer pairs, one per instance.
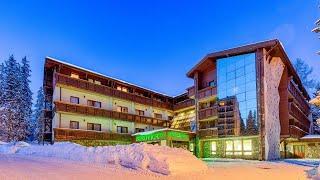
{"points": [[247, 147], [74, 125], [237, 145], [122, 129], [74, 100], [74, 75], [94, 127], [122, 109], [212, 84], [229, 147], [97, 82], [139, 112], [137, 130], [121, 88], [191, 147], [158, 116], [95, 104], [213, 148], [91, 80]]}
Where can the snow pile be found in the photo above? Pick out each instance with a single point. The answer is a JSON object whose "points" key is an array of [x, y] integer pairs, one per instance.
{"points": [[159, 159], [12, 148]]}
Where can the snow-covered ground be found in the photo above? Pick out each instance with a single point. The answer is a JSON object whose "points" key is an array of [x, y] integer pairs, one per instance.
{"points": [[22, 161]]}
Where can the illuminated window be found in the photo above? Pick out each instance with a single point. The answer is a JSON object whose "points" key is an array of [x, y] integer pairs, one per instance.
{"points": [[97, 82], [90, 80], [158, 116], [139, 112], [191, 147], [73, 75], [247, 147], [229, 147], [213, 148], [237, 145], [122, 109], [121, 88]]}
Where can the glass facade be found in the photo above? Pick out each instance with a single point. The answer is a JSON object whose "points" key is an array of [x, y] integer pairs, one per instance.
{"points": [[236, 77]]}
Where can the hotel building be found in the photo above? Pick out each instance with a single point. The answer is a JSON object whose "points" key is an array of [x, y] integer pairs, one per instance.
{"points": [[246, 102]]}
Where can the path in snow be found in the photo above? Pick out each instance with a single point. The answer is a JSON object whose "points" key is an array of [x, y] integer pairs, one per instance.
{"points": [[28, 167]]}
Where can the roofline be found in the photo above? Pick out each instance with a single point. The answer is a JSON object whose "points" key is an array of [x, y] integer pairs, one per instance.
{"points": [[105, 76], [234, 51], [252, 48]]}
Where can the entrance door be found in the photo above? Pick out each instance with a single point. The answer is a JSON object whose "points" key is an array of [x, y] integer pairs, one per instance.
{"points": [[298, 151]]}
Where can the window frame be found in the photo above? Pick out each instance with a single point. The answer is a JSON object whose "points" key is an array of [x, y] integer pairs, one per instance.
{"points": [[74, 97], [71, 124]]}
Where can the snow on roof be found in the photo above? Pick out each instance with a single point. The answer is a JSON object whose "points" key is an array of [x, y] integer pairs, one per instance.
{"points": [[158, 130], [312, 136], [94, 72]]}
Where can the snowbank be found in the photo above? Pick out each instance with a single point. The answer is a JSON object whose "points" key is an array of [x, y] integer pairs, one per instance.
{"points": [[159, 159]]}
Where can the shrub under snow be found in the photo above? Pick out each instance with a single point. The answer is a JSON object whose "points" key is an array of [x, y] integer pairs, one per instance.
{"points": [[159, 159]]}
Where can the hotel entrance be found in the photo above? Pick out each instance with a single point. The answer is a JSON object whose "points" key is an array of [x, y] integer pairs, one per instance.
{"points": [[166, 137]]}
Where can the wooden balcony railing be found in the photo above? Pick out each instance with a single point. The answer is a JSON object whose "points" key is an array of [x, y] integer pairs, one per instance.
{"points": [[207, 92], [211, 132], [296, 132], [87, 110], [77, 134], [183, 104], [207, 113], [108, 91], [299, 116], [298, 96], [191, 91]]}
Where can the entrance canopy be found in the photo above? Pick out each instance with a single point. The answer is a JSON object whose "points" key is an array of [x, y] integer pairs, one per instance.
{"points": [[164, 134]]}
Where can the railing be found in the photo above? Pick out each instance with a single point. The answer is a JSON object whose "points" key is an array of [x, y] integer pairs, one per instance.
{"points": [[207, 113], [212, 132], [296, 132], [77, 134], [183, 104], [299, 116], [108, 91], [87, 110], [191, 91], [297, 94], [207, 92]]}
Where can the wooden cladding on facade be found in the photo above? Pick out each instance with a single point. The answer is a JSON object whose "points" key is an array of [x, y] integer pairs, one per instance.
{"points": [[87, 110], [108, 91], [203, 93], [75, 134], [211, 132], [298, 96], [183, 104], [208, 112]]}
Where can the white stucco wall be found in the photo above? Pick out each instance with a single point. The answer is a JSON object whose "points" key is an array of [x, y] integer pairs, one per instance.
{"points": [[273, 71]]}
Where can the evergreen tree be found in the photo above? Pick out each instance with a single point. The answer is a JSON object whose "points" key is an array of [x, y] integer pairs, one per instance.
{"points": [[256, 123], [250, 130], [315, 110], [25, 93], [1, 82], [37, 120], [304, 71], [14, 126], [242, 127]]}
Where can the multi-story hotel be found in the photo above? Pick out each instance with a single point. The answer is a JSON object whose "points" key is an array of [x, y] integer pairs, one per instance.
{"points": [[246, 102]]}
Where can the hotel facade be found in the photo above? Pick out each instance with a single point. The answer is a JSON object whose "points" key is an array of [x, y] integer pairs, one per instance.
{"points": [[246, 102]]}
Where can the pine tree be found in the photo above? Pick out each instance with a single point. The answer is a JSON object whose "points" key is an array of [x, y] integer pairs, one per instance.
{"points": [[242, 127], [14, 126], [315, 110], [37, 120], [304, 71], [1, 83], [256, 123], [250, 130], [26, 93]]}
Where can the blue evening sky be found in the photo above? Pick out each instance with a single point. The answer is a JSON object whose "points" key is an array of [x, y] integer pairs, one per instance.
{"points": [[151, 43]]}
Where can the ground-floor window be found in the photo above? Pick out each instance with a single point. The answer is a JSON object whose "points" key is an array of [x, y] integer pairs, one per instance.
{"points": [[94, 127], [213, 148], [238, 147], [191, 147], [122, 129], [74, 125], [137, 130]]}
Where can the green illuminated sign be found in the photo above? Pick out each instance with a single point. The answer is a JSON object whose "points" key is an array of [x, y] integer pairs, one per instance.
{"points": [[151, 137], [162, 135], [178, 135]]}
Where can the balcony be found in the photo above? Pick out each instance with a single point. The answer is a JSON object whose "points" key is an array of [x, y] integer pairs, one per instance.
{"points": [[191, 91], [211, 132], [207, 92], [108, 91], [183, 104], [207, 113], [87, 110], [77, 134], [299, 116], [296, 132], [298, 96]]}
